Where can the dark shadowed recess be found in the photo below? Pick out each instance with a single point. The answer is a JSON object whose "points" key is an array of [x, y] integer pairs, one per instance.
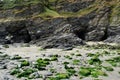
{"points": [[80, 34]]}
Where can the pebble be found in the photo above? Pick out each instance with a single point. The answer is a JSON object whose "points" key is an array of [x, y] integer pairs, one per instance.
{"points": [[35, 75], [7, 77], [46, 73], [3, 66]]}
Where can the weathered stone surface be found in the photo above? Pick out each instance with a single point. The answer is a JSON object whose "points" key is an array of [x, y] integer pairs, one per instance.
{"points": [[73, 5], [60, 31], [35, 75], [65, 40], [97, 29], [22, 11], [113, 39]]}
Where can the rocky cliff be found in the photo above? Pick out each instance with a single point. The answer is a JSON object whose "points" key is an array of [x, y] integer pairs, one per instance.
{"points": [[61, 23]]}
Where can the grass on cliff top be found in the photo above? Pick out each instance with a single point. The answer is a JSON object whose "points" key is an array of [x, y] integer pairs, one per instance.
{"points": [[79, 13], [115, 11], [96, 6], [8, 4], [53, 14], [48, 14]]}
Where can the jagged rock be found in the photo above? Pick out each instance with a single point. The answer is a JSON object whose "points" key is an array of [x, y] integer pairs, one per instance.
{"points": [[98, 27], [74, 5], [113, 39], [58, 32], [35, 75], [14, 32], [4, 66], [22, 11], [95, 35], [30, 10], [65, 40], [27, 24], [113, 34]]}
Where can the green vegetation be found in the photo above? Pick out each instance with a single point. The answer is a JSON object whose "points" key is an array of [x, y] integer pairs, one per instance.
{"points": [[114, 61], [16, 57], [106, 53], [93, 66], [65, 63], [41, 63], [115, 11], [76, 62], [56, 55], [103, 46], [22, 73], [8, 4], [59, 76], [41, 49], [26, 73], [25, 63], [52, 70], [70, 70], [78, 55], [48, 14], [72, 54], [51, 11], [54, 59], [6, 46], [62, 75], [68, 57], [91, 71], [93, 55], [84, 71], [108, 68], [15, 71], [94, 61]]}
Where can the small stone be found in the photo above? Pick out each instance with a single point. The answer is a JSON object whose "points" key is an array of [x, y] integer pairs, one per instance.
{"points": [[46, 73], [68, 48], [50, 55], [35, 75], [27, 57], [3, 66], [7, 77], [11, 66], [1, 52], [43, 55]]}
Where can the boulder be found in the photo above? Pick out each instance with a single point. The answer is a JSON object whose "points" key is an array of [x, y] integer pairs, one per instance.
{"points": [[62, 41], [113, 39], [98, 26]]}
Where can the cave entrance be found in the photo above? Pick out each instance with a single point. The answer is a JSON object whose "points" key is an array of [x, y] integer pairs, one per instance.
{"points": [[80, 34], [105, 36]]}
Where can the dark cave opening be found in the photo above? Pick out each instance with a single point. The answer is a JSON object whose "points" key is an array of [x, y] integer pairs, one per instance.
{"points": [[105, 35], [80, 34]]}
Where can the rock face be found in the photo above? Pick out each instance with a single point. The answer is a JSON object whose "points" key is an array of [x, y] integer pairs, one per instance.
{"points": [[98, 26], [61, 41], [37, 25], [14, 32], [74, 5]]}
